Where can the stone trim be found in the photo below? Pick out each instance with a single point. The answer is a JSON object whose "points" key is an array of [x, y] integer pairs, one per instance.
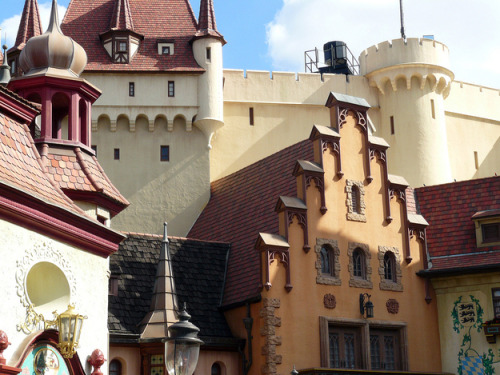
{"points": [[389, 284], [268, 331], [356, 281], [322, 278], [351, 215]]}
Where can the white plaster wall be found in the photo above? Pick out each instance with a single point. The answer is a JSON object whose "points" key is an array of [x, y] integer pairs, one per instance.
{"points": [[88, 273]]}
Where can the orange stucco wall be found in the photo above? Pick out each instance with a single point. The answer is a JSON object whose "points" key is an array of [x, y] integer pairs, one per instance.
{"points": [[300, 309]]}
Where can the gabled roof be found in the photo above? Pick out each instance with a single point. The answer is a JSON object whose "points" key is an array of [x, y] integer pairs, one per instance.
{"points": [[242, 205], [198, 267], [451, 236], [156, 20], [29, 26]]}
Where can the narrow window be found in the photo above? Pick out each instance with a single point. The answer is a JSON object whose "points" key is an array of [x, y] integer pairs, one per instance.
{"points": [[164, 153], [476, 160], [392, 124], [358, 261], [344, 347], [115, 367], [389, 266], [209, 54], [216, 369], [250, 113], [327, 261], [171, 89], [496, 301], [356, 203], [113, 290], [384, 350], [116, 154], [131, 89], [433, 111], [13, 67], [94, 148]]}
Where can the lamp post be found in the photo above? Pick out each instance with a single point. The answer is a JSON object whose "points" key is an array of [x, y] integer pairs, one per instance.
{"points": [[182, 347]]}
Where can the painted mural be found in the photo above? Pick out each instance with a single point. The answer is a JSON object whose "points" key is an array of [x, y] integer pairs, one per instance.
{"points": [[44, 359], [467, 315]]}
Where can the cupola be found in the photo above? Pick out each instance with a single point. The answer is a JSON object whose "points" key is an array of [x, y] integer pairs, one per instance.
{"points": [[53, 53]]}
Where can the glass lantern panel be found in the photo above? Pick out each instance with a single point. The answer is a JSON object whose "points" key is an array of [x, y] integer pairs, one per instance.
{"points": [[64, 329], [181, 358], [79, 323]]}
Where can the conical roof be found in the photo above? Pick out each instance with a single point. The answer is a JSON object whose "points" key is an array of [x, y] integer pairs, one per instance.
{"points": [[206, 21], [29, 26], [122, 16], [53, 53]]}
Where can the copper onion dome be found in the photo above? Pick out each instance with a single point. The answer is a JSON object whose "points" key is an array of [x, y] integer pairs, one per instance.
{"points": [[52, 52]]}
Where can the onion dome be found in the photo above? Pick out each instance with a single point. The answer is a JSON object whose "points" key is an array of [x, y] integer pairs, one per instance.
{"points": [[53, 53]]}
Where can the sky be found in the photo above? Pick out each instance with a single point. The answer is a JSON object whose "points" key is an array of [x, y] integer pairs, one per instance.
{"points": [[273, 34]]}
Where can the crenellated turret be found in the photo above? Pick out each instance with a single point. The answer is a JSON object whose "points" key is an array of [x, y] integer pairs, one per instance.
{"points": [[207, 49], [412, 78]]}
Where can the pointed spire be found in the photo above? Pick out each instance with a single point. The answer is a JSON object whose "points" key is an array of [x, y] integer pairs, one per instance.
{"points": [[206, 21], [122, 16], [54, 19], [163, 308], [4, 69], [30, 24]]}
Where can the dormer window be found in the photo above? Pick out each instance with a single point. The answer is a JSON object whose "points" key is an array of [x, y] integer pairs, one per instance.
{"points": [[165, 50], [121, 51], [165, 47], [121, 46], [487, 225]]}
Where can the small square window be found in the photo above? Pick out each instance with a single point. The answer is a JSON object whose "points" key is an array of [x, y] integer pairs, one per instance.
{"points": [[116, 154], [122, 46], [171, 89], [165, 50], [131, 89], [164, 153], [491, 232]]}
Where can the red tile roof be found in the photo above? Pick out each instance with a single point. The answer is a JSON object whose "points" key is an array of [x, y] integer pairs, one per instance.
{"points": [[207, 25], [82, 173], [451, 235], [29, 26], [241, 206], [122, 17], [156, 20]]}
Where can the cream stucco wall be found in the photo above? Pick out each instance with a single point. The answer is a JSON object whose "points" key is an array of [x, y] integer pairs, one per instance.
{"points": [[475, 289], [87, 276]]}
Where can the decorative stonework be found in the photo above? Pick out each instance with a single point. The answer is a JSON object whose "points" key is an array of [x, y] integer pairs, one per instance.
{"points": [[268, 331], [42, 252], [356, 281], [392, 306], [329, 301], [328, 279], [389, 284], [351, 214]]}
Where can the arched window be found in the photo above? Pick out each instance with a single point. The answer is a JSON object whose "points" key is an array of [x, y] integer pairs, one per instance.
{"points": [[356, 203], [358, 262], [327, 261], [389, 266], [115, 367], [216, 369]]}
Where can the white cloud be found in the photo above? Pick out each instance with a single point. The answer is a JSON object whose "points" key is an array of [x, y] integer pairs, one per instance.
{"points": [[467, 30], [10, 25]]}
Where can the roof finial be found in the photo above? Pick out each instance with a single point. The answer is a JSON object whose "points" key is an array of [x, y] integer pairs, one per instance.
{"points": [[54, 18], [4, 69]]}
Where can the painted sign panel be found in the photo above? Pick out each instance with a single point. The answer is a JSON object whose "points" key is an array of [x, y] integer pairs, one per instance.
{"points": [[44, 359]]}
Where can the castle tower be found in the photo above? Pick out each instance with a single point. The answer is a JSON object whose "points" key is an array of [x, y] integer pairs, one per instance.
{"points": [[207, 49], [413, 79], [30, 26], [52, 64]]}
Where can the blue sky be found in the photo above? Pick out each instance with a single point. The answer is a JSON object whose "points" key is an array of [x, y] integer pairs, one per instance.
{"points": [[273, 34]]}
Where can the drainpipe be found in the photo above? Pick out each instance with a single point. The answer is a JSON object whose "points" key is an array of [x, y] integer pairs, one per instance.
{"points": [[248, 322]]}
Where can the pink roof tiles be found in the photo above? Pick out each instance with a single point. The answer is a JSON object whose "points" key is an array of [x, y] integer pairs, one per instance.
{"points": [[241, 206], [451, 236], [156, 20], [206, 23], [29, 26]]}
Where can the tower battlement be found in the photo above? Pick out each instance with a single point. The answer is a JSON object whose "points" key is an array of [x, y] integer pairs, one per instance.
{"points": [[398, 52]]}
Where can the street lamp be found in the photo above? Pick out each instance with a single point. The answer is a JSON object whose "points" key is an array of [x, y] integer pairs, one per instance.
{"points": [[182, 347], [69, 324]]}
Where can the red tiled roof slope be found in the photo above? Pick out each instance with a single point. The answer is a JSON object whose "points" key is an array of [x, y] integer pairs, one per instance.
{"points": [[81, 174], [20, 166], [207, 25], [122, 17], [241, 206], [451, 236], [29, 26], [154, 19]]}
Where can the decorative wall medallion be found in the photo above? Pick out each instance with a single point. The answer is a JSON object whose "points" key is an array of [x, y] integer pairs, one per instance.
{"points": [[392, 306], [46, 362], [330, 301], [42, 252]]}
